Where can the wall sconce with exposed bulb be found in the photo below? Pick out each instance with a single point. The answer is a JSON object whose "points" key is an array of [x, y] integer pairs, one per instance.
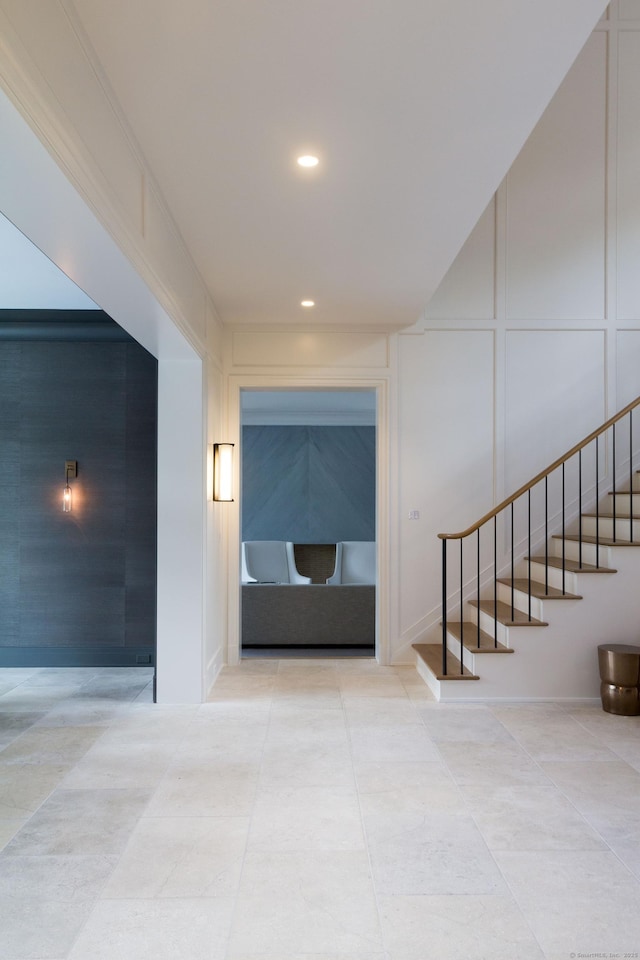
{"points": [[222, 472], [70, 471]]}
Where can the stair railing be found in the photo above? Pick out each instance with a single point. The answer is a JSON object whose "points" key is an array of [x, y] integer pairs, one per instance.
{"points": [[506, 510]]}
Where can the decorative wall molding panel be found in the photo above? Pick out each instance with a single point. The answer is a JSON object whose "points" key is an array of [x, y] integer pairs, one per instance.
{"points": [[310, 348]]}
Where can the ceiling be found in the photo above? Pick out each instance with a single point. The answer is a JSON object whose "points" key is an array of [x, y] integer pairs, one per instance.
{"points": [[29, 281], [416, 109]]}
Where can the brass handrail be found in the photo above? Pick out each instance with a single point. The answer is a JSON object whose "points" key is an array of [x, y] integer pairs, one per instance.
{"points": [[540, 476]]}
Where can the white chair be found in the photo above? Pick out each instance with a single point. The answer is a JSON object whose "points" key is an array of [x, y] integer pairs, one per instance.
{"points": [[270, 561], [355, 562]]}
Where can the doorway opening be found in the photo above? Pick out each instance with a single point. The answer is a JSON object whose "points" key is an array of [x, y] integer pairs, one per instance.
{"points": [[308, 522]]}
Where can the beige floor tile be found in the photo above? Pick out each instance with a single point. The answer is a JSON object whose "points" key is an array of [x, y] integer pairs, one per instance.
{"points": [[90, 713], [368, 711], [378, 742], [9, 828], [304, 955], [628, 750], [160, 726], [372, 685], [257, 710], [23, 788], [576, 902], [251, 666], [40, 929], [13, 725], [598, 787], [307, 819], [493, 764], [456, 928], [238, 741], [432, 854], [61, 879], [557, 736], [530, 818], [81, 822], [311, 903], [192, 789], [109, 765], [155, 930], [51, 745], [235, 687], [304, 764], [453, 722], [304, 809], [23, 699], [608, 727], [393, 786], [184, 857]]}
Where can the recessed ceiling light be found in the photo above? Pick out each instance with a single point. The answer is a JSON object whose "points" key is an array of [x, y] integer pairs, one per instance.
{"points": [[308, 161], [307, 303]]}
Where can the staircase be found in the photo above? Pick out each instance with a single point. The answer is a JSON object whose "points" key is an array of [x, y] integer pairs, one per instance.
{"points": [[530, 629]]}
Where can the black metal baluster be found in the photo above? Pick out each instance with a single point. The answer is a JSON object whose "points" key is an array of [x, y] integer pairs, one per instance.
{"points": [[580, 509], [546, 534], [462, 609], [495, 581], [614, 483], [597, 505], [631, 474], [512, 571], [444, 608], [564, 542], [478, 561], [529, 549]]}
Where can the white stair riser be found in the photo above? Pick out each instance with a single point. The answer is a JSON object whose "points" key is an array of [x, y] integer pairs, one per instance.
{"points": [[623, 506], [623, 528], [572, 552], [520, 600], [555, 577], [473, 662], [467, 656], [488, 624]]}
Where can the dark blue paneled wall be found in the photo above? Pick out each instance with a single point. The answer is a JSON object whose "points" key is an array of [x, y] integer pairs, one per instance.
{"points": [[77, 588], [308, 484]]}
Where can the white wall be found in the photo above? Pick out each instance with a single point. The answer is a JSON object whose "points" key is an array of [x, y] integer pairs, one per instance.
{"points": [[217, 523], [79, 189], [533, 338]]}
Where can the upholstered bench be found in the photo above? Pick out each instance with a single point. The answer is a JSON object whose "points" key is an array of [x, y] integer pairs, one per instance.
{"points": [[275, 614]]}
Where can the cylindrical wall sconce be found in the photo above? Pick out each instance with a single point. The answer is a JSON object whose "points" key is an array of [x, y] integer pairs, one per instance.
{"points": [[223, 471], [70, 470]]}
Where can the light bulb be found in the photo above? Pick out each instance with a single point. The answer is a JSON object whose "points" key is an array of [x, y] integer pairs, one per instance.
{"points": [[66, 499]]}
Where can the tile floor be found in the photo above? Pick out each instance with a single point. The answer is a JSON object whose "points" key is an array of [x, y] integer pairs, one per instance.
{"points": [[312, 810]]}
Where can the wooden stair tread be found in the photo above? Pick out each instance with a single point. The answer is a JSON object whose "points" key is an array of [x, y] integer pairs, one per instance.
{"points": [[431, 653], [603, 541], [572, 566], [503, 612], [537, 589], [469, 632]]}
